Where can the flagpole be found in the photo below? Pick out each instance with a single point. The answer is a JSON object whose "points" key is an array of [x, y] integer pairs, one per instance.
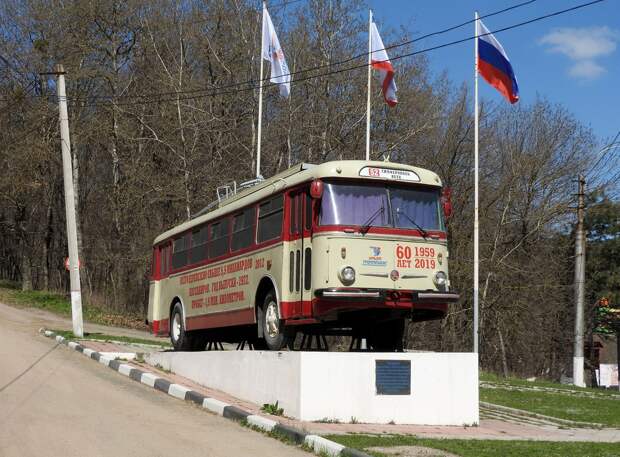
{"points": [[476, 229], [260, 94], [368, 91]]}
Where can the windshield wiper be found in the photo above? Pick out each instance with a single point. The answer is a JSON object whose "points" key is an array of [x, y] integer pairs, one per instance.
{"points": [[366, 226], [422, 231]]}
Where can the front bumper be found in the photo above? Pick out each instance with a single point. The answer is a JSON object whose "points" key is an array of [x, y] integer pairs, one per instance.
{"points": [[330, 302]]}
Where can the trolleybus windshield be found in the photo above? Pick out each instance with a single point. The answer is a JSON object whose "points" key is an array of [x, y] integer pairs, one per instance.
{"points": [[395, 206]]}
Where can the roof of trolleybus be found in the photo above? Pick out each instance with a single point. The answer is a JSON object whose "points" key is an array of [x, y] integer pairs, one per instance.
{"points": [[368, 171]]}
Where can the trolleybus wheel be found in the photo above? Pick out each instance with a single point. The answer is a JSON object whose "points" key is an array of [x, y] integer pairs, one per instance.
{"points": [[274, 334], [181, 339]]}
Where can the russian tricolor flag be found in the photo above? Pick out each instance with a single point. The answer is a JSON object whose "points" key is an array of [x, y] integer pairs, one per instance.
{"points": [[494, 66]]}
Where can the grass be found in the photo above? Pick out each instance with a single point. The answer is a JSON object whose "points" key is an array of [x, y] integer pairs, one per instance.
{"points": [[273, 409], [600, 410], [483, 448], [58, 303], [518, 382], [603, 407], [68, 334]]}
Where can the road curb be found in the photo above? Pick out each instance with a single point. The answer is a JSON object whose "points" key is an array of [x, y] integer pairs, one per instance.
{"points": [[317, 443]]}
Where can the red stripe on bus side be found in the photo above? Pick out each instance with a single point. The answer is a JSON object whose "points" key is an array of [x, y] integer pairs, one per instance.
{"points": [[160, 327], [287, 309], [222, 319]]}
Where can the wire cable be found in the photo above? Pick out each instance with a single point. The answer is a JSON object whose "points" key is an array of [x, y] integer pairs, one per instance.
{"points": [[317, 67], [221, 90], [252, 83]]}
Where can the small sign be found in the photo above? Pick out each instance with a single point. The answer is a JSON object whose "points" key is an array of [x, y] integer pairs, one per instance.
{"points": [[389, 173], [67, 265], [393, 377]]}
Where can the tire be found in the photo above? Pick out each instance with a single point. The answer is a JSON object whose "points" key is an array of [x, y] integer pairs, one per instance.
{"points": [[387, 336], [274, 335], [181, 339]]}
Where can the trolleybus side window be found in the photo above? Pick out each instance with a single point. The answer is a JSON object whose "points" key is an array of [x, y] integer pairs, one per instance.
{"points": [[218, 239], [180, 247], [243, 224], [199, 245], [295, 204], [270, 216], [308, 221], [165, 259]]}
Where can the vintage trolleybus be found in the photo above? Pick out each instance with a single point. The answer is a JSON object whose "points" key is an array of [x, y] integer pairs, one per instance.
{"points": [[352, 245]]}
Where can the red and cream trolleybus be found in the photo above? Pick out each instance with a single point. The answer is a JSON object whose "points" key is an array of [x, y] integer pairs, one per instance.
{"points": [[350, 245]]}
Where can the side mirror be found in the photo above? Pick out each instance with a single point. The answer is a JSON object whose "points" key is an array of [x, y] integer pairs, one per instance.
{"points": [[316, 189], [446, 202]]}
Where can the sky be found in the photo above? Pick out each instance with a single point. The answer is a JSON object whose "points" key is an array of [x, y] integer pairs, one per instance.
{"points": [[572, 59]]}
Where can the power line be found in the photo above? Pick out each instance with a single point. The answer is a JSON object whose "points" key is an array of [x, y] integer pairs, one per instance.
{"points": [[221, 90], [252, 83], [341, 62], [318, 67]]}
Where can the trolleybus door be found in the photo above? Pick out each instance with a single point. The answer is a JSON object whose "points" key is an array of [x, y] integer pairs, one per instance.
{"points": [[300, 253]]}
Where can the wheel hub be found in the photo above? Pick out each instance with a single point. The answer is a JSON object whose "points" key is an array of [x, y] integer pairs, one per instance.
{"points": [[272, 323], [176, 327]]}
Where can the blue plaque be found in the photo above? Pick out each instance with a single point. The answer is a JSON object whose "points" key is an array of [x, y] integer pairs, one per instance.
{"points": [[393, 377]]}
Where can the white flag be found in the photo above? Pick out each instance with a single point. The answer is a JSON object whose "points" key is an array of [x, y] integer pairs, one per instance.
{"points": [[272, 51], [381, 62]]}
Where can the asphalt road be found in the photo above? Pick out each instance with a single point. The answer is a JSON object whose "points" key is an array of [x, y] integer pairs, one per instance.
{"points": [[56, 402]]}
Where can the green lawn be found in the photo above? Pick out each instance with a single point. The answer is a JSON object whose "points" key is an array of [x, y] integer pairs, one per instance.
{"points": [[483, 448], [518, 382], [60, 304], [104, 337], [602, 410]]}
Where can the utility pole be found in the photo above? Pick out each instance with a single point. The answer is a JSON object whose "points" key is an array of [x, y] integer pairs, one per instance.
{"points": [[74, 267], [580, 273]]}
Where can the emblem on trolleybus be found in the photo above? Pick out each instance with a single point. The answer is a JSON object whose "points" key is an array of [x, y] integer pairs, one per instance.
{"points": [[394, 275]]}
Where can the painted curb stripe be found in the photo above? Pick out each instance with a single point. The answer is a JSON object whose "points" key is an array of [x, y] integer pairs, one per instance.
{"points": [[232, 412], [215, 406], [162, 384], [148, 379], [261, 422], [195, 397], [125, 369], [178, 391], [291, 433], [136, 374], [320, 444], [317, 443]]}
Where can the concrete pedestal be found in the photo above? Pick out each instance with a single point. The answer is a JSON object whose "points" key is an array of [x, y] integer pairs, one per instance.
{"points": [[404, 388]]}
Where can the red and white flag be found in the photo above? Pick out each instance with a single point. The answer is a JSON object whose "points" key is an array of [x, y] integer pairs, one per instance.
{"points": [[381, 62], [272, 51]]}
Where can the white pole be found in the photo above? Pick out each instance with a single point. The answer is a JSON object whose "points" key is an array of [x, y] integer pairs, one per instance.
{"points": [[369, 83], [74, 269], [580, 263], [260, 94], [476, 231]]}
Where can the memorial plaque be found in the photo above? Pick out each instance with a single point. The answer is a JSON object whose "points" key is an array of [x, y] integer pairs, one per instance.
{"points": [[393, 377]]}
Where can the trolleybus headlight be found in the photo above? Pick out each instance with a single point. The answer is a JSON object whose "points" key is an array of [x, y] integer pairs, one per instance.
{"points": [[440, 279], [347, 275]]}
